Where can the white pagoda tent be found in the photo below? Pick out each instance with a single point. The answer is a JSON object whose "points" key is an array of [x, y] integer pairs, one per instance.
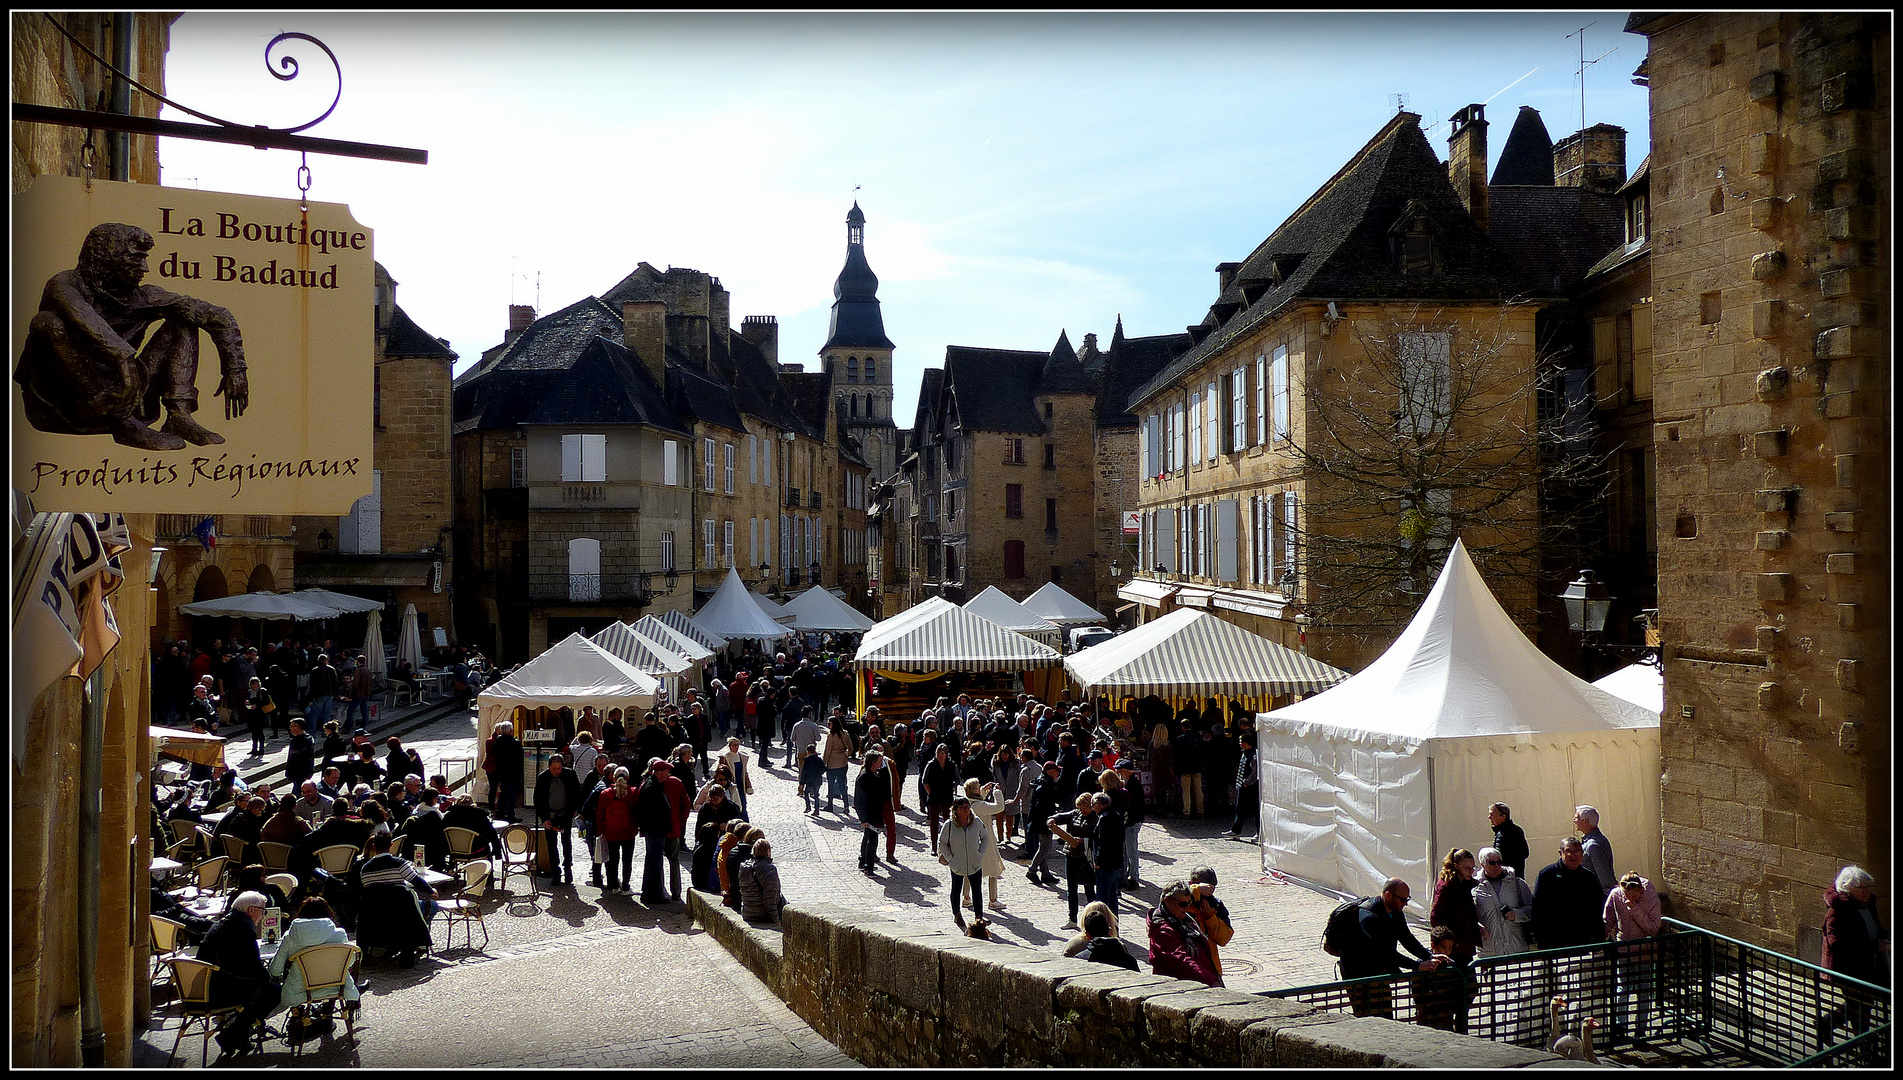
{"points": [[993, 604], [1641, 684], [817, 609], [1052, 603], [1381, 775], [572, 673], [732, 613], [773, 608]]}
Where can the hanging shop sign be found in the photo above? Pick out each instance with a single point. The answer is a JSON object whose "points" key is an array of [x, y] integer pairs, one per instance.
{"points": [[180, 351]]}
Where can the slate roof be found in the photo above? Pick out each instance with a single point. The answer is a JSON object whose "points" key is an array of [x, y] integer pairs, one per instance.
{"points": [[758, 390], [931, 384], [642, 283], [410, 340], [1338, 245], [856, 321], [809, 393], [1063, 373], [695, 394], [1130, 363], [994, 388], [1527, 156], [1556, 234]]}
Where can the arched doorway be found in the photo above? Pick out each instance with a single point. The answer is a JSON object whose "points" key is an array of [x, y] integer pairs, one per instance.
{"points": [[262, 580], [205, 629]]}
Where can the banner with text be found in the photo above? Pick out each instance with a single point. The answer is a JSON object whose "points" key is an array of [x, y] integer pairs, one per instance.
{"points": [[180, 351]]}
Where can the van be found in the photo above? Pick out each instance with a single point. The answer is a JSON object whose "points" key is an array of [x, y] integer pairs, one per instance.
{"points": [[1083, 637]]}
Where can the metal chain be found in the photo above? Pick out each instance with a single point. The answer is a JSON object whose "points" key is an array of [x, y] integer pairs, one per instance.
{"points": [[304, 183]]}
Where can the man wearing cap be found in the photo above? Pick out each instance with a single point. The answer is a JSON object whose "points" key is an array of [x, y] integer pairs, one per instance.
{"points": [[962, 845], [1049, 796], [1087, 782], [1133, 803]]}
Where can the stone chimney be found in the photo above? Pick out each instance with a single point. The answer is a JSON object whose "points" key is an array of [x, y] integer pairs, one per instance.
{"points": [[1467, 160], [520, 316], [1225, 275], [1593, 159], [644, 332], [692, 299], [719, 313], [763, 332]]}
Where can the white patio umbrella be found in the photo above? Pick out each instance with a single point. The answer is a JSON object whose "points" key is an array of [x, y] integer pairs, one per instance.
{"points": [[373, 647], [261, 605], [339, 602], [409, 641]]}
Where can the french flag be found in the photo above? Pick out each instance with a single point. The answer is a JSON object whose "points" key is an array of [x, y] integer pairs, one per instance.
{"points": [[207, 533]]}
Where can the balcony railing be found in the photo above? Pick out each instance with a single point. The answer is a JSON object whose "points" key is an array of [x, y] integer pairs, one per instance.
{"points": [[793, 496], [584, 586], [177, 526], [813, 501]]}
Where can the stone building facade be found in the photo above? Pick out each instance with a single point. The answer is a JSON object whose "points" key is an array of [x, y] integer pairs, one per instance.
{"points": [[394, 544], [50, 1026], [1770, 207]]}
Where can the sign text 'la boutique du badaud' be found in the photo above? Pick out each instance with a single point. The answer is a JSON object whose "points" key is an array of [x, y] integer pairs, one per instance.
{"points": [[189, 352]]}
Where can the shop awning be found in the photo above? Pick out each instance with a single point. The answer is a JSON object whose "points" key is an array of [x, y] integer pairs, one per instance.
{"points": [[1193, 653], [1147, 591]]}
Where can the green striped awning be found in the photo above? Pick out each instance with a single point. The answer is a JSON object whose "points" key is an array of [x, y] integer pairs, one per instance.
{"points": [[1194, 653]]}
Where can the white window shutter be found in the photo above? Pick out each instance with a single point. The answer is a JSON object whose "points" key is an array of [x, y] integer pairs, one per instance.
{"points": [[1261, 400], [1227, 519], [1212, 421], [1281, 390], [571, 458], [1166, 539], [594, 458], [670, 463], [1289, 530]]}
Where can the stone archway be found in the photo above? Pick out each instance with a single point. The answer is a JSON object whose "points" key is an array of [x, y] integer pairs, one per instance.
{"points": [[262, 580], [210, 585]]}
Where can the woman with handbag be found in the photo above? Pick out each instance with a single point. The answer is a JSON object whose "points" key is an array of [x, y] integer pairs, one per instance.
{"points": [[257, 706]]}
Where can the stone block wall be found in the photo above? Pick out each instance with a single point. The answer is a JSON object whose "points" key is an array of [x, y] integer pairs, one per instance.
{"points": [[1770, 136], [901, 995], [1116, 461]]}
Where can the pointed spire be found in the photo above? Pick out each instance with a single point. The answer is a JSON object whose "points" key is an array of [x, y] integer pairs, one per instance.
{"points": [[856, 320], [1063, 373], [1116, 339], [1527, 157]]}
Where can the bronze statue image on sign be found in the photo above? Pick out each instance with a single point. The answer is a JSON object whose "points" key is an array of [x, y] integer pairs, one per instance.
{"points": [[82, 371]]}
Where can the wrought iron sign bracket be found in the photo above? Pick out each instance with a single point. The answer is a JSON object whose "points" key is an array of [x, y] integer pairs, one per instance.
{"points": [[225, 131]]}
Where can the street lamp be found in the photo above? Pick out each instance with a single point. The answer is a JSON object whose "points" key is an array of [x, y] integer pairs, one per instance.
{"points": [[1115, 570], [1587, 600]]}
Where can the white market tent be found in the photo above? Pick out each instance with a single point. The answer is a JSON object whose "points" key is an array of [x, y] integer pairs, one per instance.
{"points": [[1193, 654], [938, 636], [263, 605], [661, 631], [1381, 775], [645, 655], [732, 613], [1641, 684], [1053, 604], [817, 609], [993, 604], [572, 673], [682, 623], [773, 608]]}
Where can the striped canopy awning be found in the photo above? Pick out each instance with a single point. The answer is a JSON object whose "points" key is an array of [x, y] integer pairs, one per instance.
{"points": [[685, 623], [946, 637], [642, 652], [650, 626], [1193, 653]]}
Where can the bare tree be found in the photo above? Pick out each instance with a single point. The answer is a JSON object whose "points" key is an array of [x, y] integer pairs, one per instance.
{"points": [[1430, 429]]}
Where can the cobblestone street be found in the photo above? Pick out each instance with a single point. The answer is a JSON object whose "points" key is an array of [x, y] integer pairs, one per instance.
{"points": [[569, 978]]}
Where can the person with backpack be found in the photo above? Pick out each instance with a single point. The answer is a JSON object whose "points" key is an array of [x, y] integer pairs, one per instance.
{"points": [[1367, 935]]}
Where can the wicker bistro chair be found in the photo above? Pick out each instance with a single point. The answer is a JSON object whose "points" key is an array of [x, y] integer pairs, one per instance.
{"points": [[168, 944], [326, 971], [518, 856], [192, 979], [462, 845], [205, 875], [234, 851], [274, 856], [287, 883], [184, 830], [466, 906], [205, 845], [336, 858]]}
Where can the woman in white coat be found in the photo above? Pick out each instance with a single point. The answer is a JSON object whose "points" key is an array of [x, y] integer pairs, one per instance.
{"points": [[313, 926], [1504, 903], [988, 802]]}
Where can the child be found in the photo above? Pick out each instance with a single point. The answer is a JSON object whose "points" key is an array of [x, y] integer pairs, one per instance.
{"points": [[1443, 993], [812, 774]]}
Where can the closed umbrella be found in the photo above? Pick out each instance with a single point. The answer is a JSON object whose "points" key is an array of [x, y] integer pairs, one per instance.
{"points": [[409, 641], [373, 647]]}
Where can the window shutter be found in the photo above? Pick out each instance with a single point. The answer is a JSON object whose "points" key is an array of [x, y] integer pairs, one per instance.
{"points": [[726, 543], [1280, 376], [707, 464], [1226, 521], [707, 544], [594, 458], [1642, 352], [1166, 539], [1212, 421], [670, 464], [726, 453], [571, 458], [753, 542], [1238, 409], [1289, 530], [1261, 400], [753, 460], [1195, 426]]}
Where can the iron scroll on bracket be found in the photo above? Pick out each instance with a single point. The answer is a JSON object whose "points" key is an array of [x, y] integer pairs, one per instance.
{"points": [[284, 68]]}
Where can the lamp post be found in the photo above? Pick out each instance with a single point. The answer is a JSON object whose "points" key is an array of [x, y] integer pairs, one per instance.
{"points": [[1587, 601]]}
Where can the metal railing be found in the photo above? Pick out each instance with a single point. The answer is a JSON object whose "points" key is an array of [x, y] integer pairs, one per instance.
{"points": [[792, 496], [584, 586], [1715, 999]]}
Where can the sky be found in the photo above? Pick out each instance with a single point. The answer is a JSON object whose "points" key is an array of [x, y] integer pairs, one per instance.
{"points": [[1020, 175]]}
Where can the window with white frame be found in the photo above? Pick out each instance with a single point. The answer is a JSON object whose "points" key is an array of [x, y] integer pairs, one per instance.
{"points": [[584, 568], [667, 551], [726, 452], [1212, 421], [584, 458], [1425, 382], [1238, 409], [1279, 376]]}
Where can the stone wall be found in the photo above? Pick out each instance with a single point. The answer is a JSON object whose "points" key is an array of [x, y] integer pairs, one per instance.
{"points": [[1770, 182], [902, 995]]}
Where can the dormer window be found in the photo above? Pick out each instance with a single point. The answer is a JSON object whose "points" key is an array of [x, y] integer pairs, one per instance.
{"points": [[1635, 220], [1413, 242]]}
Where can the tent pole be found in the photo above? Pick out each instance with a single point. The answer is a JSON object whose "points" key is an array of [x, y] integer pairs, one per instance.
{"points": [[1433, 829]]}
